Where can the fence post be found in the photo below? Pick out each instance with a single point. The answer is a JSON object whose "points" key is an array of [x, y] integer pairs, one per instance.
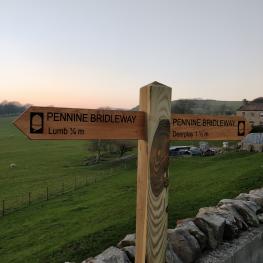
{"points": [[47, 194], [3, 207], [29, 198], [75, 183]]}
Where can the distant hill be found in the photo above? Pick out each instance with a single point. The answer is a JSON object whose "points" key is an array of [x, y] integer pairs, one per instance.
{"points": [[184, 106], [203, 106]]}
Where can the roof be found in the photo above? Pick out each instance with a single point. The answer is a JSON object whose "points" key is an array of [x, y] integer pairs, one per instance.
{"points": [[251, 106]]}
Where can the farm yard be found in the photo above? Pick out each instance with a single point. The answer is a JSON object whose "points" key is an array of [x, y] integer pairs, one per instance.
{"points": [[84, 221]]}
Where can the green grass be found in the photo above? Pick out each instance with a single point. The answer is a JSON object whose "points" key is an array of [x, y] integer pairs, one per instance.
{"points": [[39, 163], [82, 223], [39, 233]]}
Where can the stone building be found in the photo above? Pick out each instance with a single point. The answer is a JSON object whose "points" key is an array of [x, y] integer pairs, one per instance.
{"points": [[252, 111]]}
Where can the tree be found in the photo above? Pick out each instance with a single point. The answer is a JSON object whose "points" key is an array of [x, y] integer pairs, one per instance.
{"points": [[124, 146], [98, 146], [258, 100], [12, 108], [245, 101], [120, 147]]}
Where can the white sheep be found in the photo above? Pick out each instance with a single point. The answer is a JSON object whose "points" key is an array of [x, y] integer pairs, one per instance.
{"points": [[12, 165]]}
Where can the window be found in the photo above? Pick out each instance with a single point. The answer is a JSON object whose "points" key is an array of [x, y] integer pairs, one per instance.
{"points": [[261, 114], [243, 114], [252, 114]]}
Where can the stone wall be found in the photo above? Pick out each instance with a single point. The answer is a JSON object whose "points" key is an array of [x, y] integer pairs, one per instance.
{"points": [[248, 248], [230, 232]]}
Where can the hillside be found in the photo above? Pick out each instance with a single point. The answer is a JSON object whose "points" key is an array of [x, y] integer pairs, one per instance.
{"points": [[203, 106], [81, 223], [200, 106]]}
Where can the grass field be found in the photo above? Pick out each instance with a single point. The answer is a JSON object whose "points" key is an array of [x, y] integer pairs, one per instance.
{"points": [[82, 223], [38, 162]]}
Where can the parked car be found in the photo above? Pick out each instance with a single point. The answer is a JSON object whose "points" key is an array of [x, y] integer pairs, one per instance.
{"points": [[195, 151], [209, 152], [178, 150], [184, 152]]}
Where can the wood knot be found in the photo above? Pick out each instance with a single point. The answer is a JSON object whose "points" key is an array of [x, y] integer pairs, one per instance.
{"points": [[159, 158]]}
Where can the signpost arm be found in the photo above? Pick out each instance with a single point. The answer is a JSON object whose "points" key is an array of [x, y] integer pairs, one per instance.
{"points": [[152, 175]]}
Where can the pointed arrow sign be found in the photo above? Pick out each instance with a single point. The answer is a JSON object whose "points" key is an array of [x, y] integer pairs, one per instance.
{"points": [[50, 123], [189, 127]]}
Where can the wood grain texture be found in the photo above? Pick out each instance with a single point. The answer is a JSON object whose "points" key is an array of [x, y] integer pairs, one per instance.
{"points": [[142, 185], [152, 182], [80, 124], [189, 127]]}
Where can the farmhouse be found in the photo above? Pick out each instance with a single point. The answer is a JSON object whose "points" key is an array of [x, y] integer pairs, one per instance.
{"points": [[252, 111]]}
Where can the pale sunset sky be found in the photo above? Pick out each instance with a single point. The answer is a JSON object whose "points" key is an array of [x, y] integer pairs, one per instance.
{"points": [[92, 53]]}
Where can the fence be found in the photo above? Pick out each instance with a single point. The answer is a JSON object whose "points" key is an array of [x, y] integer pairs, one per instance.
{"points": [[50, 191]]}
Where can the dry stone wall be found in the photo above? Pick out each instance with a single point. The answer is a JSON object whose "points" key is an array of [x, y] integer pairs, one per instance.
{"points": [[194, 239]]}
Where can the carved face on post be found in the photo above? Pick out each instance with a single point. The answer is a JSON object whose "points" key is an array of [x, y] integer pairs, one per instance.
{"points": [[159, 158]]}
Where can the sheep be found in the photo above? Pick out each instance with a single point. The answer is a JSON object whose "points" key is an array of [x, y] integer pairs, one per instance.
{"points": [[12, 165]]}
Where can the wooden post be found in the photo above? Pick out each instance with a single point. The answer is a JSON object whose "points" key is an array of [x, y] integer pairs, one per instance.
{"points": [[3, 207], [47, 194], [152, 175], [29, 198]]}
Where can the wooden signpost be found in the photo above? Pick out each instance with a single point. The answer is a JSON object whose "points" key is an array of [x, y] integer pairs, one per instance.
{"points": [[152, 175], [50, 123], [189, 127], [154, 126]]}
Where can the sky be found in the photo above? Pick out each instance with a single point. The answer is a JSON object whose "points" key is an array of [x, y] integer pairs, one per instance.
{"points": [[97, 53]]}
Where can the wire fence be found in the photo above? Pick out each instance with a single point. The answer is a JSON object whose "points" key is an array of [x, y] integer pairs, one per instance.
{"points": [[50, 191]]}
